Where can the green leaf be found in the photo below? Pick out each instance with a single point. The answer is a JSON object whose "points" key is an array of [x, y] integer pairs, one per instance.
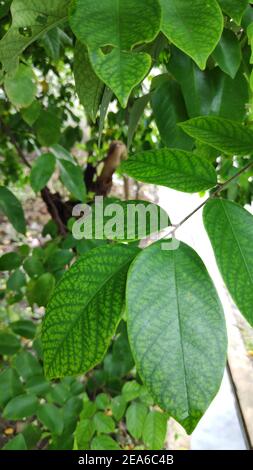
{"points": [[155, 430], [42, 171], [25, 328], [16, 281], [84, 433], [234, 8], [135, 116], [48, 128], [194, 28], [51, 417], [31, 114], [230, 96], [21, 406], [72, 178], [121, 24], [27, 365], [177, 169], [169, 109], [122, 220], [32, 435], [120, 70], [12, 208], [228, 53], [17, 443], [103, 423], [9, 344], [80, 321], [225, 135], [178, 338], [230, 229], [10, 385], [20, 88], [102, 401], [118, 407], [89, 409], [131, 390], [33, 266], [135, 418], [10, 261], [88, 86], [38, 386], [104, 442], [4, 8], [30, 19], [40, 290]]}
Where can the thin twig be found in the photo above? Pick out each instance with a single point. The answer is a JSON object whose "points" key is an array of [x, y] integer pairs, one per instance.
{"points": [[216, 192]]}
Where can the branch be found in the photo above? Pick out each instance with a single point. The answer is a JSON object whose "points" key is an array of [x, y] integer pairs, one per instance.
{"points": [[216, 192]]}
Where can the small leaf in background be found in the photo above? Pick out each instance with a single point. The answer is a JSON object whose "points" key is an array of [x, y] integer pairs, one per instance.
{"points": [[9, 344], [228, 53], [25, 328], [31, 114], [27, 365], [84, 432], [12, 208], [118, 405], [40, 290], [33, 266], [234, 8], [48, 128], [42, 171], [177, 169], [38, 386], [10, 385], [89, 409], [17, 443], [225, 135], [72, 178], [20, 87], [10, 261], [32, 435], [230, 229], [131, 390], [103, 423], [178, 338], [88, 86], [169, 109], [155, 430], [79, 343], [135, 418], [51, 417], [135, 116], [4, 8], [21, 406], [195, 30], [102, 401], [104, 442], [58, 260], [16, 281]]}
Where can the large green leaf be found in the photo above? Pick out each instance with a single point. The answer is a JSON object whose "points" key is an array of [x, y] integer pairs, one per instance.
{"points": [[121, 220], [42, 171], [177, 169], [169, 109], [84, 311], [228, 53], [234, 8], [88, 86], [121, 24], [12, 208], [194, 27], [30, 19], [230, 229], [176, 330], [223, 134], [21, 406], [20, 87]]}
